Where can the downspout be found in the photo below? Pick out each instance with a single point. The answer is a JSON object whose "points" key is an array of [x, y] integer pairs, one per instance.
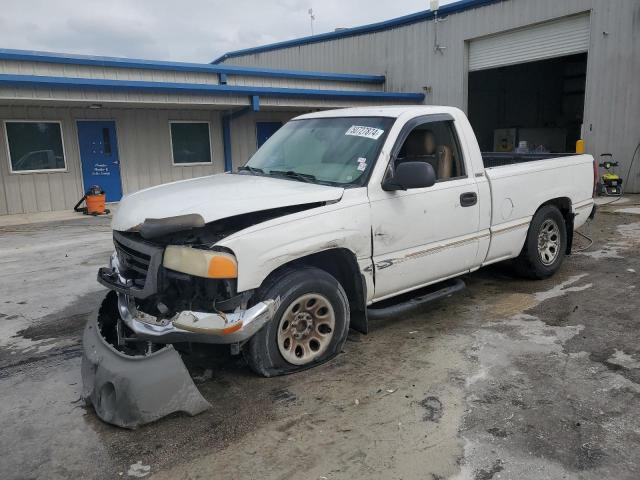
{"points": [[226, 141], [226, 129]]}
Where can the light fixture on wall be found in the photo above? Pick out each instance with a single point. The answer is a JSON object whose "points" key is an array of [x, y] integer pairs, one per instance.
{"points": [[434, 5], [95, 106]]}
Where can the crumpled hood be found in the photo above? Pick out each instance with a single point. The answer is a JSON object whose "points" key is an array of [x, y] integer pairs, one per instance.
{"points": [[216, 197]]}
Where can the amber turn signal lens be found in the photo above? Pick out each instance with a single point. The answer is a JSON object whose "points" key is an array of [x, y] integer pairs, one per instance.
{"points": [[223, 266], [233, 328]]}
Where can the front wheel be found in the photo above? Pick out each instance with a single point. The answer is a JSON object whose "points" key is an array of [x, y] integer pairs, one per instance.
{"points": [[545, 246], [309, 327]]}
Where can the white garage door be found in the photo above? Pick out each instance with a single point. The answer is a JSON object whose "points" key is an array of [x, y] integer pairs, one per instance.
{"points": [[557, 38]]}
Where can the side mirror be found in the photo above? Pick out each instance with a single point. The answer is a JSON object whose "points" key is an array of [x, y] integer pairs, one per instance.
{"points": [[411, 175]]}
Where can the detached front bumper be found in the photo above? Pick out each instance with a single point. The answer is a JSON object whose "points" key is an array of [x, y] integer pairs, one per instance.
{"points": [[131, 390]]}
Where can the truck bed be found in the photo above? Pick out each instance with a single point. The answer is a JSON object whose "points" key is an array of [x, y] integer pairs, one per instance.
{"points": [[519, 188], [499, 159]]}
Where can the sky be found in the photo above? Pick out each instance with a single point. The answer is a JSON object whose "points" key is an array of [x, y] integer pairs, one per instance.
{"points": [[179, 30]]}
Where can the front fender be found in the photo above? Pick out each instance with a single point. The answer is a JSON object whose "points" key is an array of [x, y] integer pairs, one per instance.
{"points": [[261, 251]]}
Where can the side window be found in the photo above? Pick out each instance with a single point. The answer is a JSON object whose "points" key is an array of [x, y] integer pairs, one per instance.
{"points": [[437, 144]]}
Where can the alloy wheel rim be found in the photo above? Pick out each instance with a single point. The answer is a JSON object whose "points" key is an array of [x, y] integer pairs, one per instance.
{"points": [[306, 328], [549, 242]]}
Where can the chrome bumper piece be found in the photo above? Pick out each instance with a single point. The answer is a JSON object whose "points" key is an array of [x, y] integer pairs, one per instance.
{"points": [[190, 326], [196, 327]]}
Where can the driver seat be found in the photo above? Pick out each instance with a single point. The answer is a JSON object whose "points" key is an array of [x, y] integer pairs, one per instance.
{"points": [[444, 156]]}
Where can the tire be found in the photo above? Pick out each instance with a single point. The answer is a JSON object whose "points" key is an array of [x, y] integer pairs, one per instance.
{"points": [[309, 327], [545, 246]]}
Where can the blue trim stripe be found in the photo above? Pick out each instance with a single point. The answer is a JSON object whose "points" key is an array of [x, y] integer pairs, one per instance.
{"points": [[69, 59], [200, 88], [456, 7]]}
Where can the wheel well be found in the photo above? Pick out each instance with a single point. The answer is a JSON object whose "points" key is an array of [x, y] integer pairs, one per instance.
{"points": [[343, 266], [564, 205]]}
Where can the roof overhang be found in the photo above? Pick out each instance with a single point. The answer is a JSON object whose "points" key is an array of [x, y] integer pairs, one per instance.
{"points": [[12, 80], [97, 61]]}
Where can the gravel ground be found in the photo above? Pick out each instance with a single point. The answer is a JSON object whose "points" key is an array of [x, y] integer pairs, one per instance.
{"points": [[508, 379]]}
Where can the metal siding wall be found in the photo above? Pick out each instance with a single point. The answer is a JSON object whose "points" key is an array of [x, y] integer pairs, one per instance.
{"points": [[156, 100], [86, 71], [40, 192], [111, 73], [143, 147], [85, 97], [405, 55], [302, 83], [303, 103], [612, 109]]}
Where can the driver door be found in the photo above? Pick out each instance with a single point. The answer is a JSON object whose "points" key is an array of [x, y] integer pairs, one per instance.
{"points": [[423, 235]]}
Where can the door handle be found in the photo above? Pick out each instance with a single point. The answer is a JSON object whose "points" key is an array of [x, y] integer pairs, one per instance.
{"points": [[468, 199]]}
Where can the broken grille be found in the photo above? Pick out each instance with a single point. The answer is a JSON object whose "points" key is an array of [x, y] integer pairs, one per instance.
{"points": [[132, 260]]}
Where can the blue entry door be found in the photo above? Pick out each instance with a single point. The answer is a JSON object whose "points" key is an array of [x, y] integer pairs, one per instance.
{"points": [[264, 130], [99, 157]]}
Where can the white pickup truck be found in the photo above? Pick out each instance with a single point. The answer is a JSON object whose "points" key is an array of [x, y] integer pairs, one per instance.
{"points": [[338, 212]]}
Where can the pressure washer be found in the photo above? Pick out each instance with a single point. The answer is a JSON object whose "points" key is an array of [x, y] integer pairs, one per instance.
{"points": [[610, 182]]}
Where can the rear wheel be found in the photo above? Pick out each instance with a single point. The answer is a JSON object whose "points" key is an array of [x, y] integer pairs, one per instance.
{"points": [[309, 326], [545, 246]]}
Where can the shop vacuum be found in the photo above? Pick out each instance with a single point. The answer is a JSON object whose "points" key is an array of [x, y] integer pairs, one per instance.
{"points": [[94, 199]]}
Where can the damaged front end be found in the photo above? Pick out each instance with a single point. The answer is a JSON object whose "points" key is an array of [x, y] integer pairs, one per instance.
{"points": [[131, 369]]}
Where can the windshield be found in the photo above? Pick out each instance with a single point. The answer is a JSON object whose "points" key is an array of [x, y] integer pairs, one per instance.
{"points": [[334, 151]]}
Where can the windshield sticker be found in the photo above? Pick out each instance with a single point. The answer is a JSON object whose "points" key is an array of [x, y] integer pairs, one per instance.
{"points": [[362, 160], [362, 166], [366, 132]]}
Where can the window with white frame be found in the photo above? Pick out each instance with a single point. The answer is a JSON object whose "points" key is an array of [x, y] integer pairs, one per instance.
{"points": [[35, 146], [190, 143]]}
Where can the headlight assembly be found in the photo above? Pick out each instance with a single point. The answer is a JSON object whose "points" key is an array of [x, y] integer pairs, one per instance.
{"points": [[201, 263]]}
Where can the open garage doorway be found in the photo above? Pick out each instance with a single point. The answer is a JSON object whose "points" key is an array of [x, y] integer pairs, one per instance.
{"points": [[529, 107]]}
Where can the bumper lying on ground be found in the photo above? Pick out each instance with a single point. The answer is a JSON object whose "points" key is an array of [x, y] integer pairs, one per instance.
{"points": [[129, 391]]}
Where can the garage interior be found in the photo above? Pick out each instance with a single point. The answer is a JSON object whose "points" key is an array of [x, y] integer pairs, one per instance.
{"points": [[540, 103]]}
